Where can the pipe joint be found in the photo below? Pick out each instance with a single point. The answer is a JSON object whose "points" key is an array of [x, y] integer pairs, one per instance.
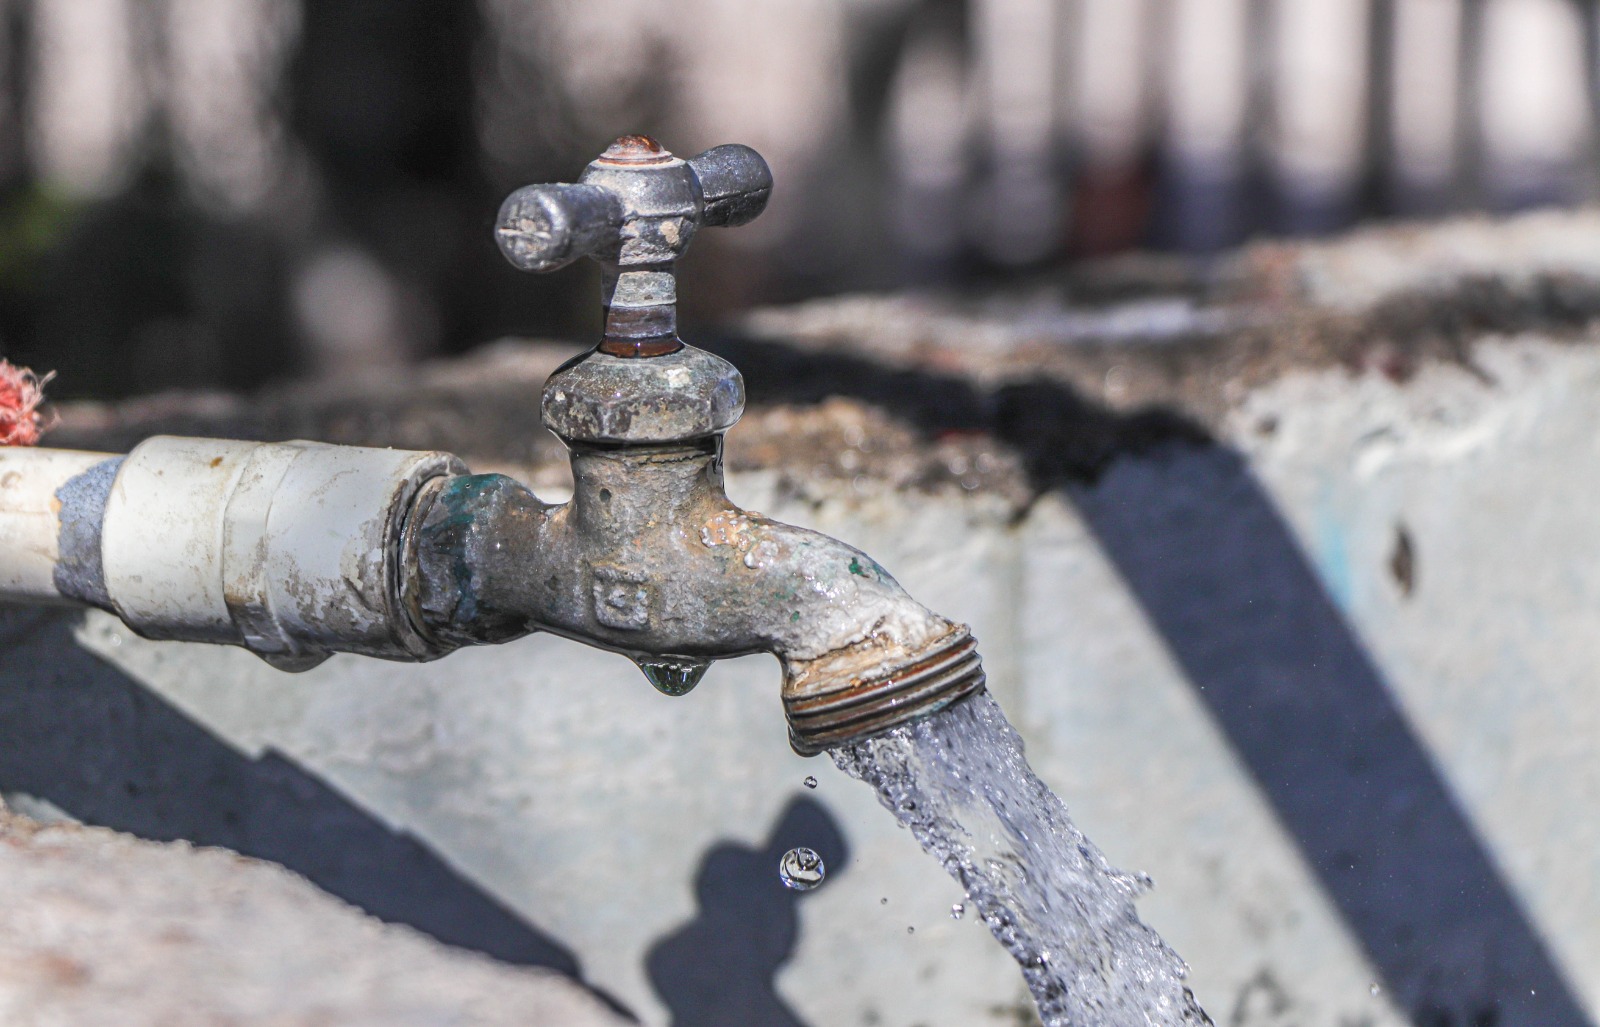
{"points": [[292, 550]]}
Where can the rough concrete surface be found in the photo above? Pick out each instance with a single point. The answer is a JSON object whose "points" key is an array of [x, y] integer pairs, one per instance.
{"points": [[1285, 567], [1194, 338], [99, 928]]}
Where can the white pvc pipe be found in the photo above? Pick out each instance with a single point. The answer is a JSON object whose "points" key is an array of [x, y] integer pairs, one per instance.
{"points": [[293, 550], [29, 525]]}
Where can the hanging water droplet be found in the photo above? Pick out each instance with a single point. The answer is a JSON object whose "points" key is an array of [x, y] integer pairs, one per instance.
{"points": [[672, 675], [957, 910], [801, 869], [810, 782], [1375, 989]]}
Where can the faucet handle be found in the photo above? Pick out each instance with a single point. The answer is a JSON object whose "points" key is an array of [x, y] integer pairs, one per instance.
{"points": [[636, 210], [635, 206], [736, 184], [545, 227]]}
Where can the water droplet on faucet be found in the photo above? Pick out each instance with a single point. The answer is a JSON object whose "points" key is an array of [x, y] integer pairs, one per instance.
{"points": [[801, 869], [671, 675], [957, 910]]}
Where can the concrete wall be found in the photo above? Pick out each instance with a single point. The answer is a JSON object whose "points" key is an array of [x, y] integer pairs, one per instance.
{"points": [[1316, 653]]}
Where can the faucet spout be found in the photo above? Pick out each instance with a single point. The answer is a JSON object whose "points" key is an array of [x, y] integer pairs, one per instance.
{"points": [[650, 559]]}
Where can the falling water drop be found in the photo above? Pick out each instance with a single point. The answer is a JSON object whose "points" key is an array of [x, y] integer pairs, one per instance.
{"points": [[911, 930], [884, 901], [810, 782], [801, 869], [1376, 989], [672, 675], [957, 910]]}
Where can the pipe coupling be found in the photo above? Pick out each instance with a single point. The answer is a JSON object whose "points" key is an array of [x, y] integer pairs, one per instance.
{"points": [[292, 550]]}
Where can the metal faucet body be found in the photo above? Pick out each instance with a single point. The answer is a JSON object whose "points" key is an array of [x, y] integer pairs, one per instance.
{"points": [[650, 558]]}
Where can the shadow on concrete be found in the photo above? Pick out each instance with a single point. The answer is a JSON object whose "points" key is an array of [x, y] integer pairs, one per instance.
{"points": [[1219, 574], [719, 969], [77, 732]]}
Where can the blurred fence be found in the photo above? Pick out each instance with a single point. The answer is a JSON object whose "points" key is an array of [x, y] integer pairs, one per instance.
{"points": [[200, 192]]}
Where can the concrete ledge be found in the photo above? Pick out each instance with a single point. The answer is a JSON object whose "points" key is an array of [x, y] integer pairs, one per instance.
{"points": [[99, 928]]}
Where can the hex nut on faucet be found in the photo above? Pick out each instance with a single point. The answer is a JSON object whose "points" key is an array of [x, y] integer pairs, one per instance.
{"points": [[685, 394]]}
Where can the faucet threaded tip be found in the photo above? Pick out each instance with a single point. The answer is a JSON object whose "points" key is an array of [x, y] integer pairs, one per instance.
{"points": [[864, 704]]}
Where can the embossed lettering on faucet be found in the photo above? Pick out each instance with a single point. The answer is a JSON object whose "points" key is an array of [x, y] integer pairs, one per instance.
{"points": [[621, 598]]}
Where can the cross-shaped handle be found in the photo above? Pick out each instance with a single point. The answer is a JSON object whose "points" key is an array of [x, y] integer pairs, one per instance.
{"points": [[635, 209], [635, 206]]}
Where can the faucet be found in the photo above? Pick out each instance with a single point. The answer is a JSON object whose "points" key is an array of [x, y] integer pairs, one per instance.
{"points": [[295, 550], [650, 558]]}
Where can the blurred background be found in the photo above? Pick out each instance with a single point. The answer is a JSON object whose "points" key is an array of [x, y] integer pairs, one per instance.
{"points": [[224, 193]]}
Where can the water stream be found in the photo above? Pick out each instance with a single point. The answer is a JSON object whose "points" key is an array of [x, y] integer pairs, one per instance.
{"points": [[959, 781]]}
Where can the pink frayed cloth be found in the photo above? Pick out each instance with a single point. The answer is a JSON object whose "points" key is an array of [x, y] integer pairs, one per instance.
{"points": [[21, 393]]}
